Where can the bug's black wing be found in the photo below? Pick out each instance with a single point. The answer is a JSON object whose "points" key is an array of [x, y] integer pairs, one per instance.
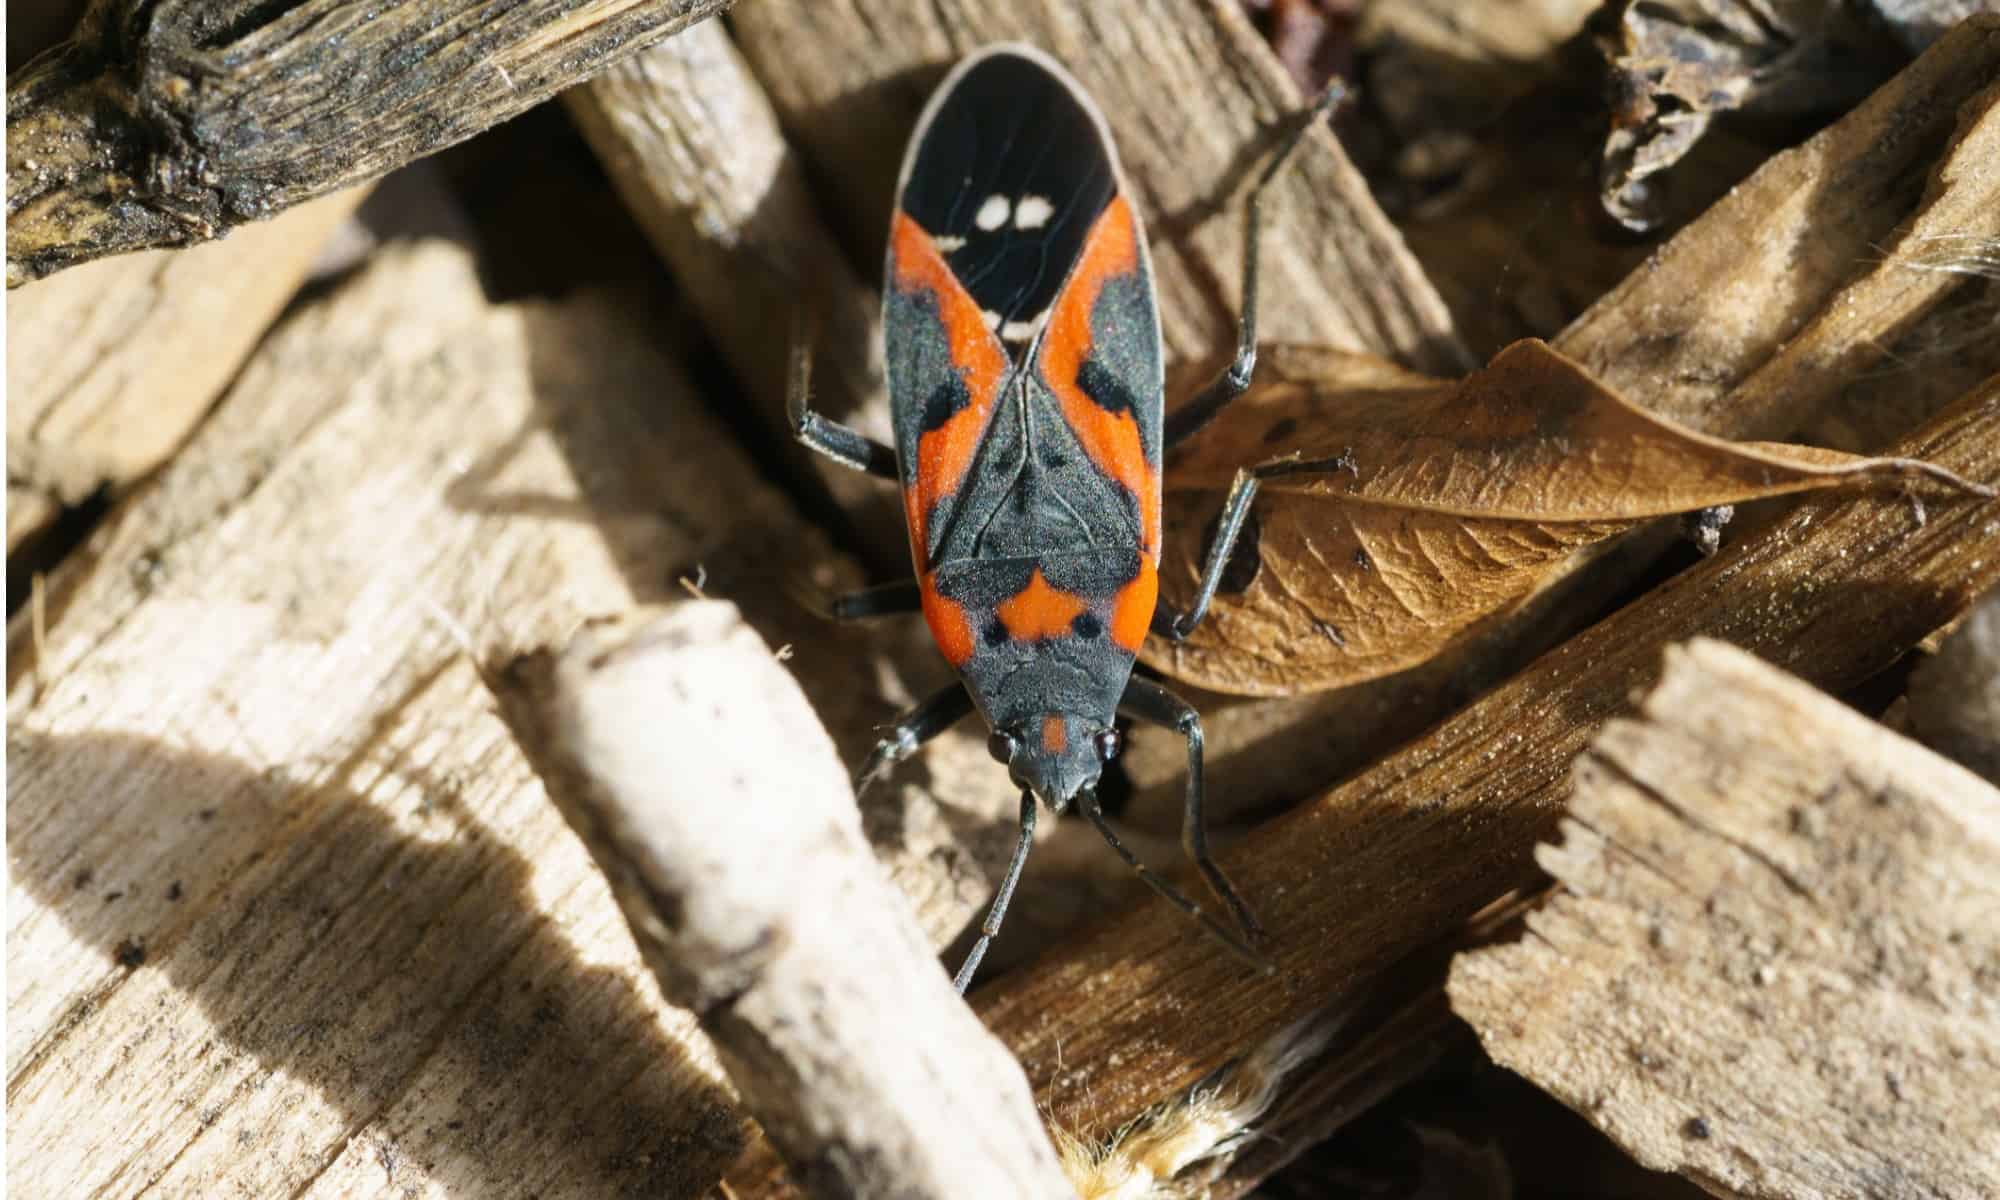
{"points": [[1008, 172]]}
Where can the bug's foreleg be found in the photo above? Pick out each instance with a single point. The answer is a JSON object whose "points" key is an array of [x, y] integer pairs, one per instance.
{"points": [[919, 725], [994, 915], [1235, 378], [1148, 701], [881, 600], [831, 438]]}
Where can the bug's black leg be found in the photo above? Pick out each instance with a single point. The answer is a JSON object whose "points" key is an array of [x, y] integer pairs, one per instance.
{"points": [[1148, 701], [881, 600], [830, 438], [1235, 378], [911, 730], [1175, 626], [1087, 801], [994, 915]]}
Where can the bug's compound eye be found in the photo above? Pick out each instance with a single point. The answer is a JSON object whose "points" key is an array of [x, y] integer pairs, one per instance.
{"points": [[1001, 746], [1109, 743]]}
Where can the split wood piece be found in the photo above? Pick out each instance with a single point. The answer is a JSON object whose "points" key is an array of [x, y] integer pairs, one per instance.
{"points": [[758, 905], [1195, 100], [1137, 1010], [170, 123], [110, 366], [1955, 695], [289, 914], [1879, 206], [1769, 965], [1752, 317], [691, 143]]}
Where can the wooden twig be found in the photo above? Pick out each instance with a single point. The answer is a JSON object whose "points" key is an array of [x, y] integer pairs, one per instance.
{"points": [[695, 151], [1769, 965], [110, 366], [760, 907], [166, 124], [1135, 1011]]}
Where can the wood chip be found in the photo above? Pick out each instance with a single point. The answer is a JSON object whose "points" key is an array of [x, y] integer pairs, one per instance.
{"points": [[1770, 963]]}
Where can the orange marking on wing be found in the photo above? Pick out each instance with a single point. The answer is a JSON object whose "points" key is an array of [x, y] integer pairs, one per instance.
{"points": [[1132, 607], [1039, 611], [1111, 439], [944, 454], [1055, 735], [950, 625]]}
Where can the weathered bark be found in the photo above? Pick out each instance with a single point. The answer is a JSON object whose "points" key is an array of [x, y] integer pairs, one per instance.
{"points": [[1769, 965], [170, 123]]}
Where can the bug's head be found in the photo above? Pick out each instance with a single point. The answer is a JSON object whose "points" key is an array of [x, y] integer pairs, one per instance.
{"points": [[1055, 756]]}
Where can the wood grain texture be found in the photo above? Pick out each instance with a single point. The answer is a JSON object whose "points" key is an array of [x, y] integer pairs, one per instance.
{"points": [[288, 911], [1195, 100], [1857, 230], [170, 123], [1769, 962], [760, 907], [110, 366], [1399, 857], [694, 148]]}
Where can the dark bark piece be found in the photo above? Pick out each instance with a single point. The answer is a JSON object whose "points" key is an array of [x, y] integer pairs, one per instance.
{"points": [[170, 123]]}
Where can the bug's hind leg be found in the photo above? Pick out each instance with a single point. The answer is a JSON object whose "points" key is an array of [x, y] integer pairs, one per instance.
{"points": [[1235, 378], [1176, 626], [929, 718], [994, 915], [881, 600], [1148, 701], [831, 438]]}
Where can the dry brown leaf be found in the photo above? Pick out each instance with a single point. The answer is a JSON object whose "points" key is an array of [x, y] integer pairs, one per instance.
{"points": [[1449, 504]]}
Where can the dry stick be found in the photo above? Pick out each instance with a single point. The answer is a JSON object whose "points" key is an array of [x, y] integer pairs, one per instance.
{"points": [[758, 904], [694, 149], [1769, 964], [169, 123], [1136, 1011]]}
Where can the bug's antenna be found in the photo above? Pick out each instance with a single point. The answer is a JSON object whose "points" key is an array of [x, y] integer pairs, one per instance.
{"points": [[1222, 933], [994, 915]]}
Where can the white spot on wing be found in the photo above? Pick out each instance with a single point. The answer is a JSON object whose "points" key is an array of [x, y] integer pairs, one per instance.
{"points": [[991, 318], [1033, 212], [993, 213], [1023, 331], [948, 243]]}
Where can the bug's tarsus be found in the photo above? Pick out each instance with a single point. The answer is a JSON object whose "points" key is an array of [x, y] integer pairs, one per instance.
{"points": [[1094, 812], [880, 600], [990, 927], [932, 716], [1234, 380], [831, 438], [1149, 701]]}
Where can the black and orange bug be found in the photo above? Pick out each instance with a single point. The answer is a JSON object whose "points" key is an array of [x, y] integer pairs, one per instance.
{"points": [[1026, 382]]}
